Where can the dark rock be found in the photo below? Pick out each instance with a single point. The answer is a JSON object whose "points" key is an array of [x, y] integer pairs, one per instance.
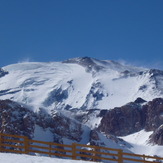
{"points": [[60, 126], [155, 72], [94, 135], [123, 120], [157, 136], [102, 113], [139, 100], [16, 119], [66, 127], [134, 117], [154, 114]]}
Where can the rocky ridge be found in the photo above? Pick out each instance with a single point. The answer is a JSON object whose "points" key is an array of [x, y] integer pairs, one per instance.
{"points": [[133, 117]]}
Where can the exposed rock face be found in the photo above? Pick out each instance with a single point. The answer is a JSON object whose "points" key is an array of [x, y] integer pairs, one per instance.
{"points": [[134, 117], [155, 72], [66, 127], [154, 115], [123, 120], [94, 137], [60, 125], [157, 136], [16, 119], [129, 119], [140, 100]]}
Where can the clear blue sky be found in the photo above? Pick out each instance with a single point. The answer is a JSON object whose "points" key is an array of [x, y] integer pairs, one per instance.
{"points": [[55, 30]]}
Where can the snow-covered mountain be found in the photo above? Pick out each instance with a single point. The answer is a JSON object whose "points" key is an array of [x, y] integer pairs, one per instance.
{"points": [[81, 83], [83, 100]]}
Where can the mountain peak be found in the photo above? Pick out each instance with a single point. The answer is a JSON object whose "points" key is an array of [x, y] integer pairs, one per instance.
{"points": [[87, 62]]}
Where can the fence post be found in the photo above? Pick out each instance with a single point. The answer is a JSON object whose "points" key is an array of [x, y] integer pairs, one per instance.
{"points": [[74, 151], [144, 158], [95, 154], [50, 147], [120, 156], [26, 145], [1, 143]]}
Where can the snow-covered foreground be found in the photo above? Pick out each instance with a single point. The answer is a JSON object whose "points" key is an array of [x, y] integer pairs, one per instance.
{"points": [[20, 158]]}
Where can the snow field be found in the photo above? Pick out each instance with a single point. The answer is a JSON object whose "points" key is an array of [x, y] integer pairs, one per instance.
{"points": [[21, 158]]}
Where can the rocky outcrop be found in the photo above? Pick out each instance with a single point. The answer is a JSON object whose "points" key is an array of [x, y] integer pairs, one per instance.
{"points": [[124, 120], [157, 136], [154, 114], [66, 127], [140, 100], [60, 125], [155, 72], [134, 117], [16, 119]]}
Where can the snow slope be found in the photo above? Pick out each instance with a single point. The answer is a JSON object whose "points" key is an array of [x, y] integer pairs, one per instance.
{"points": [[67, 85], [21, 158], [140, 145]]}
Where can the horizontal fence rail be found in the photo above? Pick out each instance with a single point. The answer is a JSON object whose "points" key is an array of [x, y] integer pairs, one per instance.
{"points": [[23, 145]]}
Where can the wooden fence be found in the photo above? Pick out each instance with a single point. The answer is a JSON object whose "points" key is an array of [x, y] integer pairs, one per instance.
{"points": [[23, 145]]}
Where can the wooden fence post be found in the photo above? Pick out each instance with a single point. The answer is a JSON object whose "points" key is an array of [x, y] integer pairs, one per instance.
{"points": [[74, 151], [50, 147], [26, 145], [120, 156], [144, 158], [1, 143], [95, 154]]}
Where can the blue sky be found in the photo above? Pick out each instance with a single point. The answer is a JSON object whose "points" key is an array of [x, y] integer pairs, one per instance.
{"points": [[55, 30]]}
